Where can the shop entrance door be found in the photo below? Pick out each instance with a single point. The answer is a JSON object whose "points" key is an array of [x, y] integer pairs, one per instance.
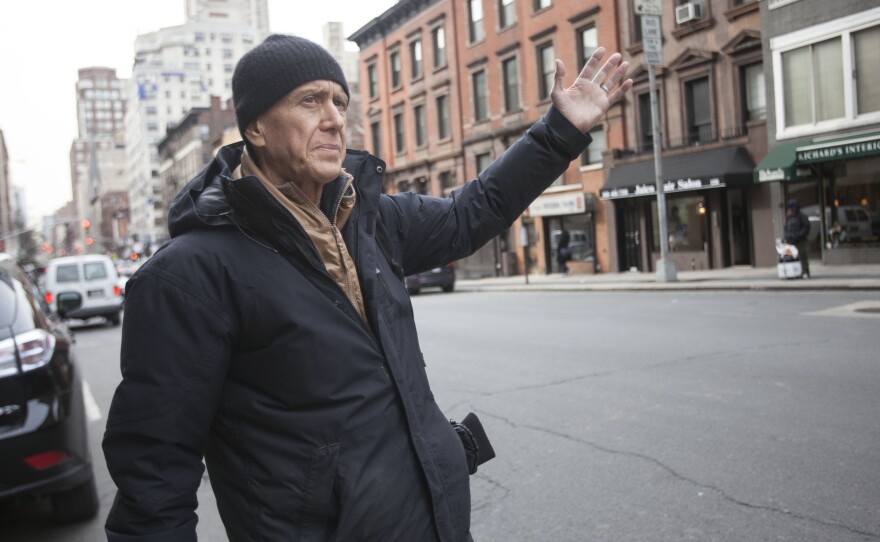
{"points": [[631, 251]]}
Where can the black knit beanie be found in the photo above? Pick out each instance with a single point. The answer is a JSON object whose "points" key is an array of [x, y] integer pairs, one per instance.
{"points": [[266, 73]]}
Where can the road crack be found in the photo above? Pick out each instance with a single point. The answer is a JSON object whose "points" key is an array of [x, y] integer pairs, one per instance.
{"points": [[683, 478]]}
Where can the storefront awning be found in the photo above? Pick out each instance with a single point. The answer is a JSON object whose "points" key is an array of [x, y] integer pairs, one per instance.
{"points": [[718, 168], [790, 161]]}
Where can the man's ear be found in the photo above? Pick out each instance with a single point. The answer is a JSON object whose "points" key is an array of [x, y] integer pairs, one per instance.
{"points": [[255, 133]]}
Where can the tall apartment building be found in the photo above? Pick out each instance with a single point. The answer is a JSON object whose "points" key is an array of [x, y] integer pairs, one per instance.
{"points": [[97, 154], [712, 133], [176, 69], [823, 104], [448, 85]]}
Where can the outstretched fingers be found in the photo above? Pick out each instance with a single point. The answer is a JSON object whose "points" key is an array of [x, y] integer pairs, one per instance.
{"points": [[592, 63], [612, 81]]}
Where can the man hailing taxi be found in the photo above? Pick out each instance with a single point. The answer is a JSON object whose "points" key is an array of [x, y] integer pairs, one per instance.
{"points": [[273, 336]]}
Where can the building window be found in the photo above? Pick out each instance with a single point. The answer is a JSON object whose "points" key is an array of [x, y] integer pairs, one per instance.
{"points": [[419, 116], [592, 155], [438, 43], [511, 84], [546, 70], [415, 57], [483, 160], [755, 99], [637, 28], [373, 80], [447, 181], [832, 83], [699, 113], [866, 44], [443, 116], [538, 5], [395, 69], [812, 77], [646, 137], [376, 136], [506, 13], [399, 134], [475, 20], [587, 42], [481, 97]]}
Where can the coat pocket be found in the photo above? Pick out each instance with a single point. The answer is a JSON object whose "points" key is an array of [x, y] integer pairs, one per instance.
{"points": [[320, 509]]}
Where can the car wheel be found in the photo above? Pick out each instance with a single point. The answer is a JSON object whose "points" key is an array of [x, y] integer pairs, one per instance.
{"points": [[75, 504], [113, 319], [448, 288]]}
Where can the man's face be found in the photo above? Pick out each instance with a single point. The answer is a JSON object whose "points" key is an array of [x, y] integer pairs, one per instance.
{"points": [[302, 137]]}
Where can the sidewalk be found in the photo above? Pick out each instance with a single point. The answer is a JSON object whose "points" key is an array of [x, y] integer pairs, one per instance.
{"points": [[824, 277]]}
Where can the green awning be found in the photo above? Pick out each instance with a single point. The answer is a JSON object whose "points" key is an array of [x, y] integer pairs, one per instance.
{"points": [[781, 163]]}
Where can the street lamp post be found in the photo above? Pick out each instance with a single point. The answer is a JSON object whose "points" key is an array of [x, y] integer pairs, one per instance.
{"points": [[652, 42]]}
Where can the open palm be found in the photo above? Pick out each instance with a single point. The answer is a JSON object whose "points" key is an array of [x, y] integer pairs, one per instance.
{"points": [[593, 91]]}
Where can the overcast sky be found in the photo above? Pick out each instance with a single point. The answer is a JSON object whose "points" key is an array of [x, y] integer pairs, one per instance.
{"points": [[43, 44]]}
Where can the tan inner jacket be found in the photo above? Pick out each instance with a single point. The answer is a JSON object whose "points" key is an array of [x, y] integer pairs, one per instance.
{"points": [[323, 231]]}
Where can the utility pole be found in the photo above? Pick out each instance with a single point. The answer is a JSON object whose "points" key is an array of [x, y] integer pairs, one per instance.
{"points": [[652, 42]]}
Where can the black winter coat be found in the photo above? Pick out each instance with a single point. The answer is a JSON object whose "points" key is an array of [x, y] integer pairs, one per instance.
{"points": [[238, 347], [796, 229]]}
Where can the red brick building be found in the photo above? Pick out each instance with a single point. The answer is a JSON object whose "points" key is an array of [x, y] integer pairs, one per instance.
{"points": [[448, 85]]}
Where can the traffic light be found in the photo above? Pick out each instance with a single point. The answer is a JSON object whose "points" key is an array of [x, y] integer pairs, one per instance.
{"points": [[85, 225]]}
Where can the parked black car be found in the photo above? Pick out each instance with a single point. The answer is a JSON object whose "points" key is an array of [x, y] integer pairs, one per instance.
{"points": [[439, 277], [44, 449]]}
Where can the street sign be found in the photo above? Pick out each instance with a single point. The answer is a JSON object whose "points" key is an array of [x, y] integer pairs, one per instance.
{"points": [[649, 7], [652, 41]]}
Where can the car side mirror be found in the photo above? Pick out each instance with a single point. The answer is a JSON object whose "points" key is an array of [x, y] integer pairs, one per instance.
{"points": [[67, 302]]}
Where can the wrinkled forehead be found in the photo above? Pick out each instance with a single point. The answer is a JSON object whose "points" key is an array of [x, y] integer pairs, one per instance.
{"points": [[319, 86]]}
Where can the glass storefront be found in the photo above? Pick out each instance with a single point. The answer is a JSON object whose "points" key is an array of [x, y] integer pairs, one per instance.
{"points": [[851, 204], [686, 224]]}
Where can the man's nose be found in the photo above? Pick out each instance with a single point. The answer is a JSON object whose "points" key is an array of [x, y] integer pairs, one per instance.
{"points": [[333, 117]]}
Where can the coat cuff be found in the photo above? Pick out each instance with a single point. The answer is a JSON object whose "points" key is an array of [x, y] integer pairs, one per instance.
{"points": [[567, 137], [184, 533]]}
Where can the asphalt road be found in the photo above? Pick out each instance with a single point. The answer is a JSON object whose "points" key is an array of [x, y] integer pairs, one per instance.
{"points": [[655, 416]]}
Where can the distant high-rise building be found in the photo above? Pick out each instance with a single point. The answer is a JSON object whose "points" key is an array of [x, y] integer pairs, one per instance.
{"points": [[100, 102], [252, 13], [176, 69], [96, 155], [334, 41]]}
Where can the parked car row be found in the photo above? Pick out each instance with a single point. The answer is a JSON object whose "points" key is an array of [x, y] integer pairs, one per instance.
{"points": [[44, 447]]}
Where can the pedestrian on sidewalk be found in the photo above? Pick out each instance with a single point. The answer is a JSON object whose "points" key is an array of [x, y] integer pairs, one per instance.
{"points": [[796, 230], [563, 251], [273, 336]]}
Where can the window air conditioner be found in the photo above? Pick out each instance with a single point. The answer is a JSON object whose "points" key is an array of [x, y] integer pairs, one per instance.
{"points": [[687, 12]]}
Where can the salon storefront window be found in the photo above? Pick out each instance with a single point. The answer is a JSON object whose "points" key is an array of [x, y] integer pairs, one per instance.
{"points": [[686, 224]]}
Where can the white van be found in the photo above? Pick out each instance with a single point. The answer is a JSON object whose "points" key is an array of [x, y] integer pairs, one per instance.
{"points": [[93, 277]]}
